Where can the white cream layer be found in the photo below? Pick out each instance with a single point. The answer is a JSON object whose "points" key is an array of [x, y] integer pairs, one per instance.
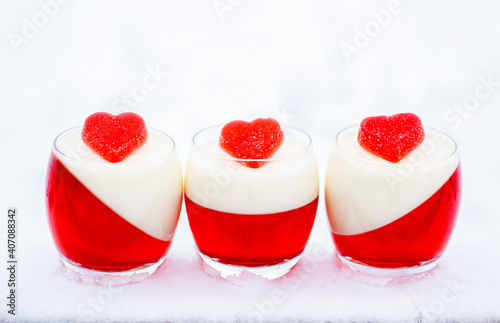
{"points": [[216, 181], [145, 188], [364, 192]]}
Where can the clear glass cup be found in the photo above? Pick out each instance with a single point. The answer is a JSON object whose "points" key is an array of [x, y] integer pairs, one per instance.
{"points": [[388, 218], [113, 218], [254, 219]]}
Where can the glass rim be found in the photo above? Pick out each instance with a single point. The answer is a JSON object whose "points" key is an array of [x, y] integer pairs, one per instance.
{"points": [[57, 149], [304, 149], [442, 136]]}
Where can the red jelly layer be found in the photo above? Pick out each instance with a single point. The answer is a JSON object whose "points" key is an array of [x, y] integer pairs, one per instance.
{"points": [[89, 233], [415, 238], [251, 239]]}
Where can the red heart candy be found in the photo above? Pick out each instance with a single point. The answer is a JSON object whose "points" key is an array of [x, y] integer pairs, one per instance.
{"points": [[114, 137], [258, 139], [391, 137]]}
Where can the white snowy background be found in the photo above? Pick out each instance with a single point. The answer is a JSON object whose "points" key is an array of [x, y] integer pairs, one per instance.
{"points": [[318, 65]]}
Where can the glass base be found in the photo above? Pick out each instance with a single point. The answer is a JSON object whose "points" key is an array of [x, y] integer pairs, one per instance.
{"points": [[269, 272], [389, 272], [79, 273]]}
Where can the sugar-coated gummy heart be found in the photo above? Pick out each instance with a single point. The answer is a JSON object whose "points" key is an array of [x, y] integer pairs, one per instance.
{"points": [[258, 139], [391, 137], [112, 137]]}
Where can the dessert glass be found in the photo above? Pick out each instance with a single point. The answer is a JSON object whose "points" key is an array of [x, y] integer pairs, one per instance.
{"points": [[392, 218], [113, 218], [254, 219]]}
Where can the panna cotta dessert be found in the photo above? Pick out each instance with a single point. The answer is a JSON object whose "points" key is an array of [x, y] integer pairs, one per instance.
{"points": [[114, 194], [251, 194], [392, 194]]}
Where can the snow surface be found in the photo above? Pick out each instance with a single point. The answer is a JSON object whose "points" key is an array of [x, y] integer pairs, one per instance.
{"points": [[185, 66]]}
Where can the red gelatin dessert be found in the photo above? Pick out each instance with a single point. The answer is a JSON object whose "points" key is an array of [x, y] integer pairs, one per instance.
{"points": [[113, 208], [393, 204], [251, 191]]}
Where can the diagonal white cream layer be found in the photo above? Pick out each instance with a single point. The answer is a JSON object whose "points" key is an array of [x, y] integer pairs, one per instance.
{"points": [[145, 189], [364, 192], [217, 182]]}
